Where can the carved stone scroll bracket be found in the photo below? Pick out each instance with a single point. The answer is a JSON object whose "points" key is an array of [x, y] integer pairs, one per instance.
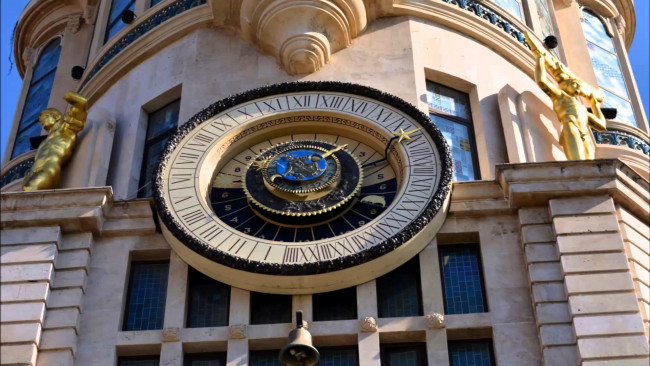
{"points": [[620, 24], [435, 321], [90, 14], [302, 34], [29, 57], [368, 325], [237, 331], [74, 23]]}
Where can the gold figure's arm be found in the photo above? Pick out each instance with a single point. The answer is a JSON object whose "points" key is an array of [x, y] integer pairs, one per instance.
{"points": [[540, 78], [77, 113], [596, 118]]}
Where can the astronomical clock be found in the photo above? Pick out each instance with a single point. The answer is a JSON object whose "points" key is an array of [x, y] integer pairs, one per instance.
{"points": [[303, 187]]}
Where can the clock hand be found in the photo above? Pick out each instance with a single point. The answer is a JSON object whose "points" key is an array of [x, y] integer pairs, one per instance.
{"points": [[399, 136], [327, 153]]}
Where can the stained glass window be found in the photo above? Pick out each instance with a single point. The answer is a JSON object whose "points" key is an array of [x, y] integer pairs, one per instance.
{"points": [[338, 356], [462, 280], [162, 124], [335, 305], [208, 303], [511, 6], [145, 305], [38, 97], [115, 23], [607, 67], [449, 110], [404, 355], [270, 308], [264, 358], [471, 353], [205, 359], [138, 361], [399, 291]]}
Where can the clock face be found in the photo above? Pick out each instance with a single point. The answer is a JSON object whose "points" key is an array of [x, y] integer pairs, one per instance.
{"points": [[303, 187]]}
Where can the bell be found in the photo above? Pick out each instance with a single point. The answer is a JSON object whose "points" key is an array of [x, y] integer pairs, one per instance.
{"points": [[299, 351]]}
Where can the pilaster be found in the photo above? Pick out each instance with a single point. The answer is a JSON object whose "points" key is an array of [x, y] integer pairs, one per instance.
{"points": [[368, 335]]}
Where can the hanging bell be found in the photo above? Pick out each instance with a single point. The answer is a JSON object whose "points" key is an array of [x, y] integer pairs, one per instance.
{"points": [[299, 351]]}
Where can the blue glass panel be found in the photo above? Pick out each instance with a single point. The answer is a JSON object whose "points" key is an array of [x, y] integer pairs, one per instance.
{"points": [[335, 305], [205, 359], [149, 163], [138, 361], [595, 31], [338, 356], [511, 6], [264, 358], [163, 120], [457, 136], [625, 113], [447, 100], [115, 24], [48, 60], [462, 279], [404, 355], [156, 2], [145, 308], [470, 353], [209, 301], [37, 98], [608, 71], [270, 308], [398, 292], [22, 144]]}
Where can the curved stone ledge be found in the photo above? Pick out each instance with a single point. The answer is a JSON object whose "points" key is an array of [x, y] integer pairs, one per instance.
{"points": [[622, 135]]}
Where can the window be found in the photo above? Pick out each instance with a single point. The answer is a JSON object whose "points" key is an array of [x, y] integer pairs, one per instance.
{"points": [[608, 70], [139, 361], [162, 124], [264, 358], [205, 359], [544, 16], [404, 355], [209, 301], [115, 23], [511, 6], [449, 110], [335, 305], [398, 292], [462, 282], [155, 2], [270, 308], [145, 304], [338, 356], [471, 353], [38, 97]]}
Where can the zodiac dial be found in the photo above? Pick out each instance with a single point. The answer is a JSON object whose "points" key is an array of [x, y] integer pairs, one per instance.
{"points": [[303, 187]]}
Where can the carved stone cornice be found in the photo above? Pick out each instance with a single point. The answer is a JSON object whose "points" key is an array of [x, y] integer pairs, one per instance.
{"points": [[302, 34]]}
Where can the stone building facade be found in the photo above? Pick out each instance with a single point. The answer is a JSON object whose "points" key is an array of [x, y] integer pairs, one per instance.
{"points": [[539, 261]]}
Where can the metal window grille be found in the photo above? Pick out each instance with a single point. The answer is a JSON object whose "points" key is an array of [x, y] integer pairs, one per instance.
{"points": [[462, 279], [399, 292], [335, 305], [208, 301], [145, 306]]}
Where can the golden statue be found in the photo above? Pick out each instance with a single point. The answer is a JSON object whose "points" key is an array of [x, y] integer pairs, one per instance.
{"points": [[57, 148], [570, 111]]}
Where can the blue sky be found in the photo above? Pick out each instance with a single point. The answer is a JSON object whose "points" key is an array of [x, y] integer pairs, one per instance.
{"points": [[11, 82]]}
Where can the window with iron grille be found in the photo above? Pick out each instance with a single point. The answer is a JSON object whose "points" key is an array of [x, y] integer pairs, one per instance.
{"points": [[162, 124], [270, 308], [412, 354], [335, 305], [139, 361], [399, 292], [471, 353], [38, 97], [339, 356], [449, 109], [462, 278], [208, 301], [205, 359], [145, 304], [264, 358]]}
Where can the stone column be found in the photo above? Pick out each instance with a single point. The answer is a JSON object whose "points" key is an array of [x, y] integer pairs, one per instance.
{"points": [[239, 320], [437, 353], [547, 287], [603, 307], [171, 353], [368, 336]]}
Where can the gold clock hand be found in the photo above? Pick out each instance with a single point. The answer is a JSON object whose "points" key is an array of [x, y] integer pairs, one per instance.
{"points": [[328, 153]]}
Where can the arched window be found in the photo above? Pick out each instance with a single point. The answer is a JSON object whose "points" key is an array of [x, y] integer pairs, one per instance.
{"points": [[37, 97], [608, 70], [511, 6], [115, 23]]}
